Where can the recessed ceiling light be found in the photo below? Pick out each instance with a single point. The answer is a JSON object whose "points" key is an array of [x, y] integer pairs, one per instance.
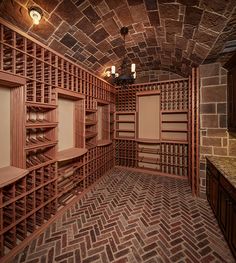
{"points": [[36, 14]]}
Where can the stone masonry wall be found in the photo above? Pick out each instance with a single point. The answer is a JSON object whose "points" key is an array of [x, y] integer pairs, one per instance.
{"points": [[156, 75], [214, 138]]}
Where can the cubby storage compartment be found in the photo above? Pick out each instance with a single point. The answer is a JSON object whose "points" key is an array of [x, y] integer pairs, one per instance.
{"points": [[91, 128], [112, 121], [103, 125], [174, 125], [174, 158], [149, 156], [126, 153], [125, 125], [70, 175]]}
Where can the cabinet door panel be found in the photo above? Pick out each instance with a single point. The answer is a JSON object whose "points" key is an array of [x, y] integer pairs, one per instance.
{"points": [[214, 193], [232, 229], [208, 175], [223, 214]]}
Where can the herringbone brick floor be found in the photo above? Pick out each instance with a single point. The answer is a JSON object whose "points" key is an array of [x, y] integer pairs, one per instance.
{"points": [[132, 217]]}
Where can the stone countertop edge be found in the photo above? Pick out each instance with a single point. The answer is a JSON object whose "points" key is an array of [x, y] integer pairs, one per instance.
{"points": [[226, 165]]}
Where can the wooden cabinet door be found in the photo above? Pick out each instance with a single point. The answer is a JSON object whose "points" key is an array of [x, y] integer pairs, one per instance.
{"points": [[208, 175], [214, 186], [232, 228], [223, 211]]}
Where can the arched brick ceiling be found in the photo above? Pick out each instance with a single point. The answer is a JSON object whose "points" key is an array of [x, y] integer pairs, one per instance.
{"points": [[172, 35]]}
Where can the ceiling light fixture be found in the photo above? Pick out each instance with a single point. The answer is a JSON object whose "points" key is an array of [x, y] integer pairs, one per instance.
{"points": [[36, 14], [126, 75]]}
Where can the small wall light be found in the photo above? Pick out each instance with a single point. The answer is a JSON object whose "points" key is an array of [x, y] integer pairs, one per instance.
{"points": [[36, 14]]}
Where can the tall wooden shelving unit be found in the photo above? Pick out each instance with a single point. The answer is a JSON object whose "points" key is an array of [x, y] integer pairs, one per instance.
{"points": [[166, 151], [42, 178]]}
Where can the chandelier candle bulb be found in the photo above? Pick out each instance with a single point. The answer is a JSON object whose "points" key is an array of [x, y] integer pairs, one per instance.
{"points": [[113, 69], [126, 71], [133, 67]]}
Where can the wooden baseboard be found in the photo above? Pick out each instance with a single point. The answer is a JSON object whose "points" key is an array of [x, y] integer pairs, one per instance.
{"points": [[143, 170]]}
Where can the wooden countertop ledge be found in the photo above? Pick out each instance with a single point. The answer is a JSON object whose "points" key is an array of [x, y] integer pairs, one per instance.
{"points": [[10, 174]]}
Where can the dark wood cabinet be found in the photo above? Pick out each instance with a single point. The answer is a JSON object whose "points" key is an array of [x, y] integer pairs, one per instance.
{"points": [[231, 67], [222, 199], [232, 228], [212, 186], [224, 207]]}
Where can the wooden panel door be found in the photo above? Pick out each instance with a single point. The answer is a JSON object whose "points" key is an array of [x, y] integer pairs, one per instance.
{"points": [[223, 212], [232, 228], [214, 186]]}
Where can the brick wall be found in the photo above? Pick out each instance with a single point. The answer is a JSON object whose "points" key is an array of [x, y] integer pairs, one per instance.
{"points": [[214, 138]]}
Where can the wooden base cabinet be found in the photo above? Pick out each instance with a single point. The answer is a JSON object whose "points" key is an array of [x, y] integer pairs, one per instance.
{"points": [[212, 186], [222, 198], [232, 227]]}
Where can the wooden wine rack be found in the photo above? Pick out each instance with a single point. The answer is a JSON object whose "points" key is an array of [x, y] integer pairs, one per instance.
{"points": [[42, 179], [169, 153]]}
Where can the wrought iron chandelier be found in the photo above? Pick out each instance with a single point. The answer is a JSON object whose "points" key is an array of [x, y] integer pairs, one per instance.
{"points": [[126, 75]]}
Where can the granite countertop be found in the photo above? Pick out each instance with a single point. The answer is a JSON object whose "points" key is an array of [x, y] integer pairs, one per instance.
{"points": [[225, 165]]}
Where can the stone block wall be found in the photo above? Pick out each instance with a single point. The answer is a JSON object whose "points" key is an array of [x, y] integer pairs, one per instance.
{"points": [[214, 138], [156, 75]]}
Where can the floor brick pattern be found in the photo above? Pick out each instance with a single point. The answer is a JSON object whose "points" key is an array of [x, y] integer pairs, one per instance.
{"points": [[132, 217]]}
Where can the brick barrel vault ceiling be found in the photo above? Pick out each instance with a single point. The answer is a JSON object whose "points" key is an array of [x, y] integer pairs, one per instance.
{"points": [[171, 35]]}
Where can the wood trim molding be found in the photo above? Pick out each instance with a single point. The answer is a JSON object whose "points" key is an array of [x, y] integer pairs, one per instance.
{"points": [[63, 93], [11, 80]]}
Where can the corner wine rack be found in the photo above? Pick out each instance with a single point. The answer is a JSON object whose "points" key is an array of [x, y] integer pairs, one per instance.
{"points": [[168, 153]]}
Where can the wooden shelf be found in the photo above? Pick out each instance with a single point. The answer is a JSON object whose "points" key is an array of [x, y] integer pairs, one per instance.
{"points": [[124, 130], [90, 110], [125, 121], [70, 154], [41, 125], [41, 105], [90, 134], [10, 174], [174, 121], [90, 122], [35, 146], [144, 140], [173, 111], [148, 160], [175, 141], [148, 150], [103, 142], [173, 130]]}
